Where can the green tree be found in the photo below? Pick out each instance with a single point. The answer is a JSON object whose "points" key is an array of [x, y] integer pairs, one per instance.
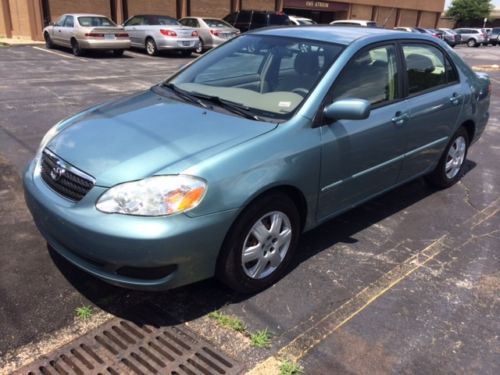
{"points": [[470, 10]]}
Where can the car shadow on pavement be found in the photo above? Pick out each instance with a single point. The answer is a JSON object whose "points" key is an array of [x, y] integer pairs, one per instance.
{"points": [[196, 300]]}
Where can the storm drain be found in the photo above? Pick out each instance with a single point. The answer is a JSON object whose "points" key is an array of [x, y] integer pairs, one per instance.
{"points": [[123, 347]]}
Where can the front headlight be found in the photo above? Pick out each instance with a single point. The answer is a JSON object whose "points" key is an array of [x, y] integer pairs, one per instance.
{"points": [[154, 196]]}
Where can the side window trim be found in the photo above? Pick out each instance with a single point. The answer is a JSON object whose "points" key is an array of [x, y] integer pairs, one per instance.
{"points": [[406, 93]]}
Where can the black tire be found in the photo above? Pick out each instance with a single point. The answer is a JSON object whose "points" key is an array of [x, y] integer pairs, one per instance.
{"points": [[151, 48], [186, 53], [118, 52], [48, 41], [75, 47], [472, 43], [200, 47], [438, 177], [230, 269]]}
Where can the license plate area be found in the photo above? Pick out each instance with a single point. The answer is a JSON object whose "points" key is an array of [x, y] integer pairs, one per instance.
{"points": [[109, 36]]}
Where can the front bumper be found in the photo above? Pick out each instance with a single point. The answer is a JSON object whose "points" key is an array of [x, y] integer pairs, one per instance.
{"points": [[103, 244], [177, 43], [104, 44]]}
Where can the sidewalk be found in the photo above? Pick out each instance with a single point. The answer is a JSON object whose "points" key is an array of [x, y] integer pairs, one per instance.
{"points": [[19, 42]]}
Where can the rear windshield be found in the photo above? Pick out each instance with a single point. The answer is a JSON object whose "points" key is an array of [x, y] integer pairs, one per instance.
{"points": [[95, 21], [160, 20], [278, 19], [211, 22], [371, 24]]}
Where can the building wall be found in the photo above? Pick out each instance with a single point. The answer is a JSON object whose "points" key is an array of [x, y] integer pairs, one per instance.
{"points": [[427, 19], [361, 12], [163, 7], [5, 26], [408, 17], [386, 17], [19, 16], [60, 7], [426, 5], [207, 8], [257, 5]]}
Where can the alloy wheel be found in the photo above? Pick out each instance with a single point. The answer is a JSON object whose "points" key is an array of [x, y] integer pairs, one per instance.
{"points": [[266, 245], [455, 157]]}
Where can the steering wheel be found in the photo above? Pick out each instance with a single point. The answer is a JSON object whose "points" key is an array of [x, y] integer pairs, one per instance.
{"points": [[301, 91]]}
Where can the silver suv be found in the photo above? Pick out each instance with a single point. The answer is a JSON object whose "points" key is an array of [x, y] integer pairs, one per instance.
{"points": [[473, 37]]}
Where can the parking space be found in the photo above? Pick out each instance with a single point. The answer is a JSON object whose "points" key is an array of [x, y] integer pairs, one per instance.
{"points": [[408, 282]]}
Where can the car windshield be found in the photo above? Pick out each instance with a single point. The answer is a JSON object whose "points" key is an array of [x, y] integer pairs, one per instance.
{"points": [[267, 75], [92, 21], [216, 23]]}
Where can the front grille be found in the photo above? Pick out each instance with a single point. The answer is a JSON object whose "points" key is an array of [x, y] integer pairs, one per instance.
{"points": [[63, 178]]}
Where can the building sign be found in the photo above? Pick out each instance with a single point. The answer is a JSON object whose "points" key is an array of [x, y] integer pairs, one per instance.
{"points": [[326, 6]]}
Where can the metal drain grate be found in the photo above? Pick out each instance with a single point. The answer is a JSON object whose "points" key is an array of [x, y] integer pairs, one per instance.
{"points": [[124, 347]]}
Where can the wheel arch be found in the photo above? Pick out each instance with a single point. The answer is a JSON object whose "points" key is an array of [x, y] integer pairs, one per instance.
{"points": [[470, 127]]}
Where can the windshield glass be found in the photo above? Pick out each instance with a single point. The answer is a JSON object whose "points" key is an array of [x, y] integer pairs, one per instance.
{"points": [[161, 20], [95, 21], [216, 23], [268, 75]]}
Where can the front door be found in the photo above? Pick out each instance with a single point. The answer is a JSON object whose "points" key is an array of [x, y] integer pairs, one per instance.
{"points": [[361, 158]]}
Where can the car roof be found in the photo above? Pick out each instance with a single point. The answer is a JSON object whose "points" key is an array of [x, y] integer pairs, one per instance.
{"points": [[85, 15], [339, 34]]}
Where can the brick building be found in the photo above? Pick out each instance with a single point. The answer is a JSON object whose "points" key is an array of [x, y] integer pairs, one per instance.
{"points": [[26, 18]]}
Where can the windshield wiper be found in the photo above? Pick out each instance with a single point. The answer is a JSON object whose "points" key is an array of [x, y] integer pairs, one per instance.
{"points": [[228, 105], [184, 94]]}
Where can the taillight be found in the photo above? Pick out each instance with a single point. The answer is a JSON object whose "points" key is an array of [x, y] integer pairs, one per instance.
{"points": [[168, 32], [121, 35], [194, 33], [94, 35], [215, 32]]}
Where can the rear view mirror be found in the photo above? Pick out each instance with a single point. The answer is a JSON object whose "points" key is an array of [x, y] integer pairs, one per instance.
{"points": [[348, 109]]}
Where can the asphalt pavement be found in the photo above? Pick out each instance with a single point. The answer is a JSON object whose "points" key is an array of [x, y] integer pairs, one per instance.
{"points": [[407, 283]]}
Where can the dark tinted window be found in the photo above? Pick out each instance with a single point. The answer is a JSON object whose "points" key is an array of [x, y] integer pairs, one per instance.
{"points": [[278, 19], [259, 20], [426, 68], [371, 75], [243, 17], [160, 20], [230, 18]]}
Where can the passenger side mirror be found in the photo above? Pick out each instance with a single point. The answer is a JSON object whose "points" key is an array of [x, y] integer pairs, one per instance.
{"points": [[348, 109]]}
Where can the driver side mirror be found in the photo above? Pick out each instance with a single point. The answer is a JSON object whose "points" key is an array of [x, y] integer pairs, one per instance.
{"points": [[348, 109]]}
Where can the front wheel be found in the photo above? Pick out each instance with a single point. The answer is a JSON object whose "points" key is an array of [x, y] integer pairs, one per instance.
{"points": [[472, 43], [151, 48], [48, 41], [259, 246], [450, 167]]}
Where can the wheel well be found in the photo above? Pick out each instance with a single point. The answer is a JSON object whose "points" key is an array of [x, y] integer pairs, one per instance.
{"points": [[73, 39], [471, 129], [294, 194]]}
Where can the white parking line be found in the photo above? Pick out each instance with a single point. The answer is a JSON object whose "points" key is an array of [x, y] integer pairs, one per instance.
{"points": [[59, 54]]}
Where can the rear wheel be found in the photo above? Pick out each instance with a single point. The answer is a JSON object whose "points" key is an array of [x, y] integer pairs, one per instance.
{"points": [[151, 48], [450, 167], [259, 246], [48, 41], [75, 47], [199, 49], [472, 43]]}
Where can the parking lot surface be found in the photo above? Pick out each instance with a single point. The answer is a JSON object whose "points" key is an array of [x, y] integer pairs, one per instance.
{"points": [[409, 282]]}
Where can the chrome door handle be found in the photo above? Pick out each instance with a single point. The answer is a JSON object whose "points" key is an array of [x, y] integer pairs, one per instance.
{"points": [[455, 99], [400, 118]]}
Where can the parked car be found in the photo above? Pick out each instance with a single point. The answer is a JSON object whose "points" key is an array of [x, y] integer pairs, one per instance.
{"points": [[245, 20], [156, 33], [82, 32], [451, 37], [472, 37], [494, 36], [211, 31], [407, 29], [219, 169], [295, 20], [432, 32], [353, 23]]}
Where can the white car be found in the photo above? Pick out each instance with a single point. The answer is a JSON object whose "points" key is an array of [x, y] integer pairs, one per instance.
{"points": [[360, 23], [295, 20]]}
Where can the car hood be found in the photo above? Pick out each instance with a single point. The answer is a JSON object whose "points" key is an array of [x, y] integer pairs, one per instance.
{"points": [[147, 134]]}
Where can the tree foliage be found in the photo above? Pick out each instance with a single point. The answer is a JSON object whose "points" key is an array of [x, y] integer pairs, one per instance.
{"points": [[470, 10]]}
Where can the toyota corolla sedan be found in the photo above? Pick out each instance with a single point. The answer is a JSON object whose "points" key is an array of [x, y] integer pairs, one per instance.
{"points": [[82, 32], [219, 169]]}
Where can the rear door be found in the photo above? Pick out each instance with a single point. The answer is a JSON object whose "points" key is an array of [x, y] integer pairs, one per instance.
{"points": [[435, 102], [361, 158]]}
